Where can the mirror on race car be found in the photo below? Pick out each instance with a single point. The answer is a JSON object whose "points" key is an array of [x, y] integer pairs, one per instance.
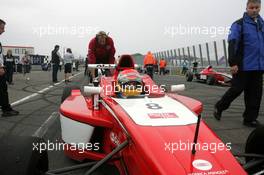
{"points": [[90, 90], [177, 88]]}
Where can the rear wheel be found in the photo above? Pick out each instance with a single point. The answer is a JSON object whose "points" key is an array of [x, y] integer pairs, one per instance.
{"points": [[189, 76], [67, 92]]}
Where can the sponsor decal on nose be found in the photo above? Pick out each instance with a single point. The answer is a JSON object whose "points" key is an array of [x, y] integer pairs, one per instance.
{"points": [[203, 165]]}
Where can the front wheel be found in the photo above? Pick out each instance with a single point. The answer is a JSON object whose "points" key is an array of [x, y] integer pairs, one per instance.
{"points": [[255, 145], [23, 155], [189, 76], [210, 80]]}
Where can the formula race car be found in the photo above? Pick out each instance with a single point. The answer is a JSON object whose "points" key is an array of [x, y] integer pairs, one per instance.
{"points": [[209, 75], [126, 124]]}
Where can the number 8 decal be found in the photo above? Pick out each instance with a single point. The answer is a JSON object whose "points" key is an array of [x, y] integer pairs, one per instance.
{"points": [[153, 106]]}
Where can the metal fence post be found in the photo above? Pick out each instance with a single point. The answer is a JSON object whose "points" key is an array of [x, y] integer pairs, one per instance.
{"points": [[194, 53], [216, 54], [184, 58], [175, 53], [171, 55], [225, 52], [201, 54], [179, 51], [208, 55], [189, 56]]}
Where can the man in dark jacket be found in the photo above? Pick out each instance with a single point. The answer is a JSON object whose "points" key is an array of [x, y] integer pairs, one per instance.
{"points": [[4, 99], [55, 60], [246, 59], [9, 62]]}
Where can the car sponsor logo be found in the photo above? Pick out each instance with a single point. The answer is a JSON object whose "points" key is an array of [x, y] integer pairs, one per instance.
{"points": [[162, 115], [105, 66], [114, 138], [203, 165]]}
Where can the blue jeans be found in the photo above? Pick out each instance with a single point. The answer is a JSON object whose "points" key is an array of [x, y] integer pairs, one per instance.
{"points": [[55, 68]]}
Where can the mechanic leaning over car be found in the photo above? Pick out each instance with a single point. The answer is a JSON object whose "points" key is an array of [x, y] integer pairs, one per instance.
{"points": [[246, 59], [149, 62], [4, 100], [101, 50]]}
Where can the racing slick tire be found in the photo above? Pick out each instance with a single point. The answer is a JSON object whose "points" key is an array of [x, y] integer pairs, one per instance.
{"points": [[210, 80], [20, 156], [106, 169], [255, 144], [189, 76], [67, 92]]}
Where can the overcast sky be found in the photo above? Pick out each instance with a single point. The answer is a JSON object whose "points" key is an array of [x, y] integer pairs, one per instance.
{"points": [[135, 25]]}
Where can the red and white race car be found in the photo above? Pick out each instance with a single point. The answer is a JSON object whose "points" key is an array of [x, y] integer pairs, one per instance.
{"points": [[139, 129], [210, 76]]}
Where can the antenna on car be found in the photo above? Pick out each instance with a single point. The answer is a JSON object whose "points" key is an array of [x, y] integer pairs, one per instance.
{"points": [[196, 134]]}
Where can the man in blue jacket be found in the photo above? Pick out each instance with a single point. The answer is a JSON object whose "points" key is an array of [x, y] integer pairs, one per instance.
{"points": [[246, 59]]}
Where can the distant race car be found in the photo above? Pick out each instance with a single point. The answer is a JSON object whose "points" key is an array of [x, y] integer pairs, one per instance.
{"points": [[126, 124], [210, 76], [45, 66]]}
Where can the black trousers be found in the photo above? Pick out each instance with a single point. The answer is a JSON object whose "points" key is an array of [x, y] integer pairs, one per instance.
{"points": [[162, 70], [150, 69], [251, 83], [9, 74], [55, 68], [4, 100]]}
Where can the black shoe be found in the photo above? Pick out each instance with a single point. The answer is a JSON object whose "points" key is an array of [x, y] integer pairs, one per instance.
{"points": [[217, 114], [55, 81], [10, 113], [252, 124]]}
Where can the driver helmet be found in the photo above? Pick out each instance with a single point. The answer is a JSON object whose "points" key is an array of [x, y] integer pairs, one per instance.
{"points": [[129, 83]]}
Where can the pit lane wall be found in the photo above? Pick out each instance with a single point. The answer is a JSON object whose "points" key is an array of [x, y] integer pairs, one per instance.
{"points": [[212, 53]]}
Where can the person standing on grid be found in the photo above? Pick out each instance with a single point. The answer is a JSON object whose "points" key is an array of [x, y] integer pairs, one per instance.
{"points": [[55, 60], [68, 59], [9, 62], [246, 59], [26, 64], [7, 110]]}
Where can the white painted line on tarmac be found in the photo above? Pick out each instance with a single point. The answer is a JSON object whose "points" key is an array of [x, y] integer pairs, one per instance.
{"points": [[40, 92], [46, 89], [46, 125], [24, 99]]}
